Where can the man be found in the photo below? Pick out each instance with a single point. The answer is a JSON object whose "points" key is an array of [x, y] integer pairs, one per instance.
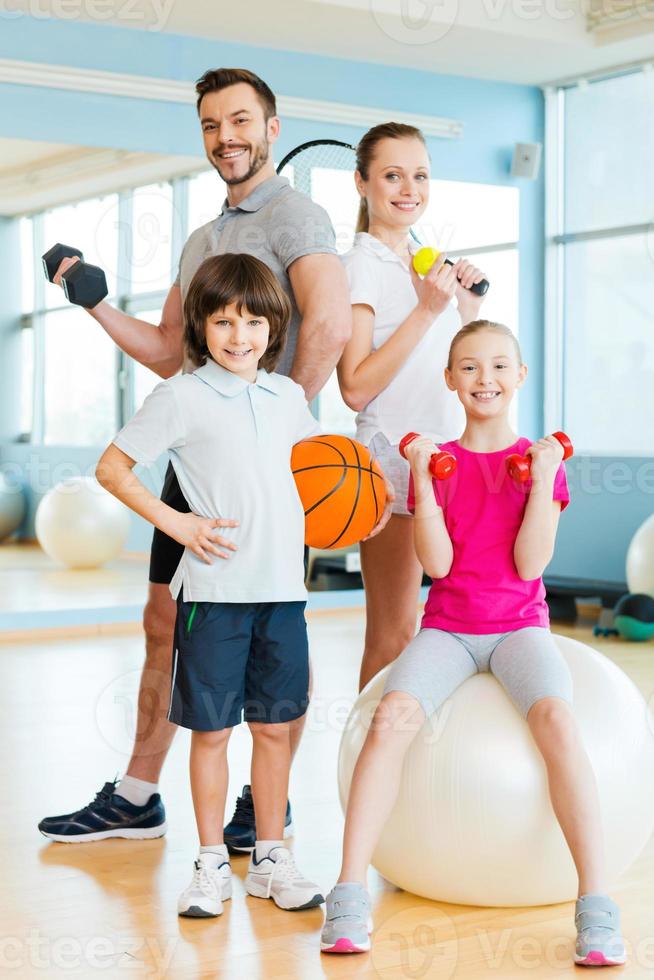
{"points": [[265, 217]]}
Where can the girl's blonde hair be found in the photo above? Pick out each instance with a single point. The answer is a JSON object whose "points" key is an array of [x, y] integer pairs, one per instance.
{"points": [[366, 152], [474, 327]]}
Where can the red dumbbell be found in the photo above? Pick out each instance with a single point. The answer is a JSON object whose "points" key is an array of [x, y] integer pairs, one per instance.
{"points": [[441, 465], [519, 467]]}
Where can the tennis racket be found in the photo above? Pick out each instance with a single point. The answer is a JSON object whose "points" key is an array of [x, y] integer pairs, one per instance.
{"points": [[306, 168]]}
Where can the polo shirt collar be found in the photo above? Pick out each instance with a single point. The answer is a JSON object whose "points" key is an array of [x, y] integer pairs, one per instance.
{"points": [[371, 244], [230, 384], [261, 194]]}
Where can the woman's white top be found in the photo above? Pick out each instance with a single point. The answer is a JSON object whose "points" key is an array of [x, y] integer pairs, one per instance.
{"points": [[417, 398]]}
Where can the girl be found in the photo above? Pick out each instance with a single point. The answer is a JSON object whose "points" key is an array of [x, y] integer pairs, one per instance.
{"points": [[485, 542], [391, 369], [240, 635]]}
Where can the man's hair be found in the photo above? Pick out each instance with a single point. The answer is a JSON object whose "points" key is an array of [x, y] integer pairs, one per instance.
{"points": [[245, 281], [216, 79], [474, 327]]}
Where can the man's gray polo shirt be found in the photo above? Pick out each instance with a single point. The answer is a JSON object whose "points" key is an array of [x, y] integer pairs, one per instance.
{"points": [[275, 223], [230, 445]]}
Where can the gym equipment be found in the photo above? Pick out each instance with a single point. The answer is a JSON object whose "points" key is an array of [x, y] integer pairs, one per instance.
{"points": [[12, 507], [441, 465], [424, 259], [519, 467], [80, 524], [640, 559], [84, 284], [634, 616], [341, 487], [473, 823]]}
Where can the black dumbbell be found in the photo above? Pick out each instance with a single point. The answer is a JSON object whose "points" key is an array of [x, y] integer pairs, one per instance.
{"points": [[84, 284]]}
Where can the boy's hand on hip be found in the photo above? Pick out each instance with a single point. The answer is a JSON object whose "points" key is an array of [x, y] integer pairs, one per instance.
{"points": [[198, 534]]}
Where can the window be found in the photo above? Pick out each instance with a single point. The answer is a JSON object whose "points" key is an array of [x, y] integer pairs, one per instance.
{"points": [[150, 256], [144, 380], [80, 390], [600, 366], [206, 193]]}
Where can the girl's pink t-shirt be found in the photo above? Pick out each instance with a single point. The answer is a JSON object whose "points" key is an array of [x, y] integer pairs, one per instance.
{"points": [[483, 510]]}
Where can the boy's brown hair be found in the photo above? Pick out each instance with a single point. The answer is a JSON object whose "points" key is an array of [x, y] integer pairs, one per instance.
{"points": [[474, 327], [216, 79], [245, 281]]}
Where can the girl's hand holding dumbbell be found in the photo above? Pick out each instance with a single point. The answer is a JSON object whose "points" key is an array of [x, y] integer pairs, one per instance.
{"points": [[419, 452], [546, 456]]}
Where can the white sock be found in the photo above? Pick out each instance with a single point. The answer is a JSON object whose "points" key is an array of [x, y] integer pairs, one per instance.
{"points": [[262, 848], [137, 791], [219, 851]]}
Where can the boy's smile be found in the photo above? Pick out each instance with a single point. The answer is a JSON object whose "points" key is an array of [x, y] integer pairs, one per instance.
{"points": [[237, 340]]}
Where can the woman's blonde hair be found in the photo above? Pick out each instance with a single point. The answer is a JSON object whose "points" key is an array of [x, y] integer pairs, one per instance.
{"points": [[366, 153], [474, 327]]}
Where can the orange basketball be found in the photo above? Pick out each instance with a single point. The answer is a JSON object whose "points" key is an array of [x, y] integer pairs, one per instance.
{"points": [[341, 488]]}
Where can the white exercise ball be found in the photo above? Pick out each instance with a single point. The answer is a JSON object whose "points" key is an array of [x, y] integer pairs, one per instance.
{"points": [[12, 507], [80, 524], [640, 559], [473, 823]]}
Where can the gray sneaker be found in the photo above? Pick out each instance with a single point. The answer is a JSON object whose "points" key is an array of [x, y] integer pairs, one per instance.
{"points": [[599, 942], [348, 923]]}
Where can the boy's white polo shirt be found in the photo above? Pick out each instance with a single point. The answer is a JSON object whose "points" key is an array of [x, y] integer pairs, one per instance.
{"points": [[230, 445], [417, 399]]}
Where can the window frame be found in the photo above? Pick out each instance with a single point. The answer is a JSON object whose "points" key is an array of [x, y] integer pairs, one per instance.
{"points": [[556, 241]]}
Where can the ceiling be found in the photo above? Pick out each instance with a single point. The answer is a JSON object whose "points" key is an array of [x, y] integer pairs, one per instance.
{"points": [[36, 175], [525, 41]]}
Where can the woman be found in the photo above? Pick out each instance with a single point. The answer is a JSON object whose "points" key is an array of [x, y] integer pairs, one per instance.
{"points": [[391, 371]]}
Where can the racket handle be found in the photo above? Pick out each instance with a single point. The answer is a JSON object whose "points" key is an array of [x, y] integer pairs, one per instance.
{"points": [[478, 288], [441, 465], [424, 259], [519, 467]]}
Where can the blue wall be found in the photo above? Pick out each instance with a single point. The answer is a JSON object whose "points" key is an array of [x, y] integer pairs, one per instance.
{"points": [[495, 116]]}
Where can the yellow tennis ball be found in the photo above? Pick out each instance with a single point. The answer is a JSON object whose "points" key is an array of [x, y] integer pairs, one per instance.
{"points": [[424, 259]]}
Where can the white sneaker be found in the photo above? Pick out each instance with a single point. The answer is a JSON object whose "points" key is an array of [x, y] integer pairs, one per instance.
{"points": [[276, 876], [210, 886]]}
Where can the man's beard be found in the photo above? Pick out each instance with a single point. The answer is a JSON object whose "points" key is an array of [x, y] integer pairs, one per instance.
{"points": [[259, 153]]}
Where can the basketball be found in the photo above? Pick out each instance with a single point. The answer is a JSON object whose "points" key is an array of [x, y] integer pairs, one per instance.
{"points": [[341, 488]]}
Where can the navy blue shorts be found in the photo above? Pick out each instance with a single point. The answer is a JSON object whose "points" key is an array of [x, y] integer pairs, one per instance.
{"points": [[235, 660]]}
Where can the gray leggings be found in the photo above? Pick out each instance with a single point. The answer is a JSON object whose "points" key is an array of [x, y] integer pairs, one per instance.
{"points": [[527, 663]]}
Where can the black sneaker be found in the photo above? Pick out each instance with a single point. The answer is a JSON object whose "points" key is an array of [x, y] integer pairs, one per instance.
{"points": [[110, 815], [240, 832]]}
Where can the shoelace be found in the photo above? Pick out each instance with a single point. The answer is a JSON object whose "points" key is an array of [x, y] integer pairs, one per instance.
{"points": [[101, 797], [202, 879], [244, 809], [285, 870]]}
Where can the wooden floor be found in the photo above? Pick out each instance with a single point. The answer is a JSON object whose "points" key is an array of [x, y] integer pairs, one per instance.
{"points": [[109, 909]]}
